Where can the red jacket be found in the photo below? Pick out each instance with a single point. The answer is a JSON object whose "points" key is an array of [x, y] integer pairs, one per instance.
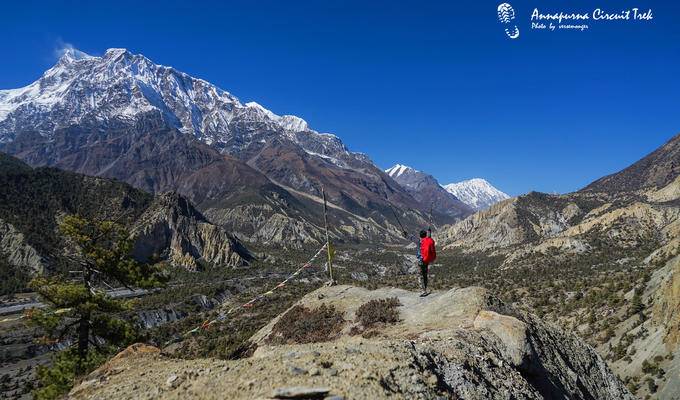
{"points": [[427, 251]]}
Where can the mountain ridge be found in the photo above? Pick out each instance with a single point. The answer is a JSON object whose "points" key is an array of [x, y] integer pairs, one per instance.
{"points": [[621, 227], [190, 104], [34, 200], [86, 110], [427, 190], [535, 217], [655, 170], [477, 193]]}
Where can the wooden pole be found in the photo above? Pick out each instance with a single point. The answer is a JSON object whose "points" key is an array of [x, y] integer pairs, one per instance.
{"points": [[328, 242], [432, 225]]}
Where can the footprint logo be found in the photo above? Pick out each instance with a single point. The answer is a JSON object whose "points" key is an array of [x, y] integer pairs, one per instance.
{"points": [[506, 14]]}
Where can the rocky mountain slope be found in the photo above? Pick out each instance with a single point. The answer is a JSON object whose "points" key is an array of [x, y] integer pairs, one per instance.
{"points": [[608, 231], [173, 228], [656, 170], [33, 201], [478, 193], [582, 221], [525, 220], [121, 86], [120, 115], [462, 343], [649, 341], [425, 188]]}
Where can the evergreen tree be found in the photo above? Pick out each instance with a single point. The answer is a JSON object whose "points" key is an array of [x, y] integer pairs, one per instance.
{"points": [[636, 306], [79, 308]]}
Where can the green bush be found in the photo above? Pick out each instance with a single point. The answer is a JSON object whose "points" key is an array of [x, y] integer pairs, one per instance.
{"points": [[57, 379]]}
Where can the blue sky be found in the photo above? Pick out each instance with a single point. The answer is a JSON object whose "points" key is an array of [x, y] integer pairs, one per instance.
{"points": [[435, 85]]}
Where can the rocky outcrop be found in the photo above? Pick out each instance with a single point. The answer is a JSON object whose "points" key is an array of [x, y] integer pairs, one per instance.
{"points": [[666, 309], [497, 226], [261, 223], [153, 318], [462, 343], [172, 228], [518, 221], [651, 340], [17, 252]]}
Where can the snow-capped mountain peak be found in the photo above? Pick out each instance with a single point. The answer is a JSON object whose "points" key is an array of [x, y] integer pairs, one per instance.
{"points": [[122, 86], [116, 52], [398, 170], [478, 193], [70, 55], [293, 123], [288, 122], [256, 106]]}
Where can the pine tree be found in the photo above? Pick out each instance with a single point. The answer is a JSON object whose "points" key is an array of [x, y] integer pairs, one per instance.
{"points": [[79, 308], [636, 306]]}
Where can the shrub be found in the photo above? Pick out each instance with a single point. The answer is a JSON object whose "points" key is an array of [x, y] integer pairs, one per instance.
{"points": [[651, 385], [303, 325], [382, 311]]}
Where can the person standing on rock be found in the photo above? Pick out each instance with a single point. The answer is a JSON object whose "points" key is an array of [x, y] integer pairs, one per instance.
{"points": [[426, 256]]}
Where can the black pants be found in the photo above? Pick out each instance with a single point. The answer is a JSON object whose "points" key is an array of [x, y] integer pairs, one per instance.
{"points": [[423, 274]]}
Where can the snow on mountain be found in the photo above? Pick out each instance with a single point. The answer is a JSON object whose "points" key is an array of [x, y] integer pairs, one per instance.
{"points": [[425, 188], [477, 193], [411, 178], [121, 86], [398, 170]]}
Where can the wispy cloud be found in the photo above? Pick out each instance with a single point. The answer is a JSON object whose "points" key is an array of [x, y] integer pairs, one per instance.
{"points": [[62, 47]]}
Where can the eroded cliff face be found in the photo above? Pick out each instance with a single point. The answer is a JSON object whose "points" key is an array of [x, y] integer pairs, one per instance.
{"points": [[666, 312], [496, 227], [17, 252], [461, 343], [649, 341], [578, 223], [172, 228], [261, 223], [666, 306]]}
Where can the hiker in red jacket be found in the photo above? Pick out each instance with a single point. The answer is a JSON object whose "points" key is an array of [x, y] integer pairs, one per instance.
{"points": [[426, 256]]}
